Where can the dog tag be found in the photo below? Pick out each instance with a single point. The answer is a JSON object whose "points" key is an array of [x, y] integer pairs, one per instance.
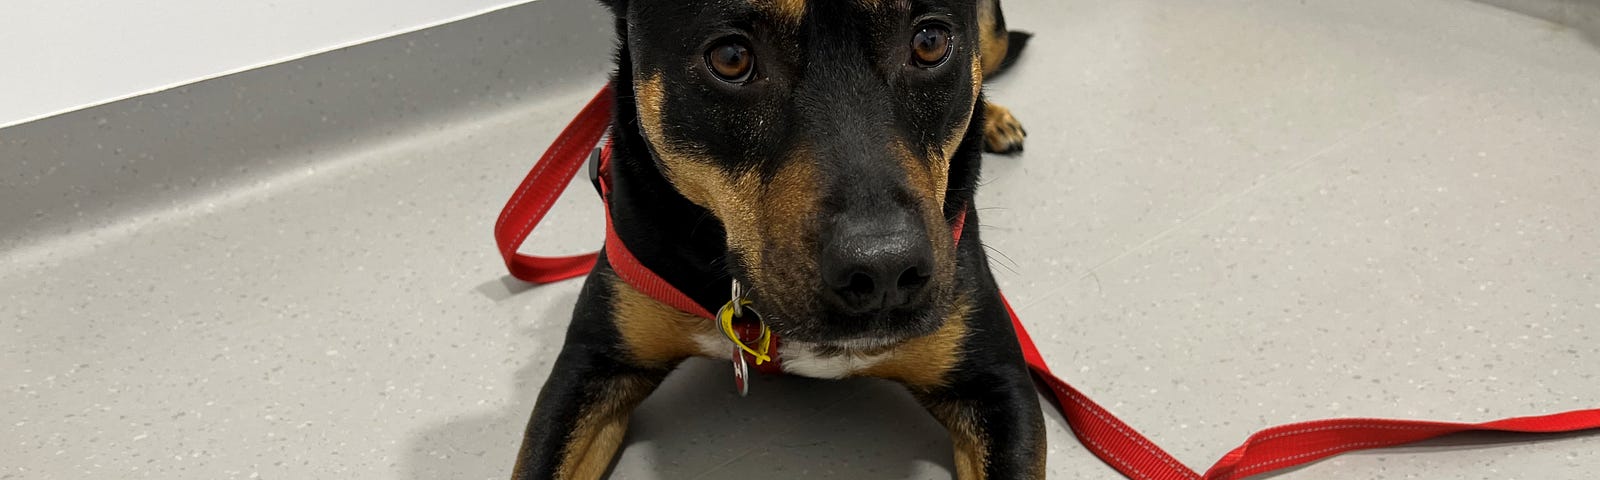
{"points": [[741, 372]]}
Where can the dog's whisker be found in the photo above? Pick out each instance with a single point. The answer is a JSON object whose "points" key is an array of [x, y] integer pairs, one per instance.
{"points": [[698, 221], [717, 279], [996, 251]]}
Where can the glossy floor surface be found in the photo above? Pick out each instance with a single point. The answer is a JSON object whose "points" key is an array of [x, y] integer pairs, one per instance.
{"points": [[1230, 215]]}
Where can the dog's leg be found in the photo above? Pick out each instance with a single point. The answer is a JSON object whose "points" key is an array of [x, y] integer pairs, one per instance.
{"points": [[580, 418], [621, 344], [970, 375], [994, 424], [997, 50], [1002, 133]]}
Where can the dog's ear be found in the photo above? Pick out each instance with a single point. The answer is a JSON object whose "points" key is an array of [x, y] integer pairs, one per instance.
{"points": [[616, 6]]}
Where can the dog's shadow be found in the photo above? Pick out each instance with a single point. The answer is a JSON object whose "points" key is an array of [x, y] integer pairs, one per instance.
{"points": [[696, 427]]}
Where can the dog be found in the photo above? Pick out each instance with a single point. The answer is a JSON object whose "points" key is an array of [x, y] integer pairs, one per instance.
{"points": [[823, 154]]}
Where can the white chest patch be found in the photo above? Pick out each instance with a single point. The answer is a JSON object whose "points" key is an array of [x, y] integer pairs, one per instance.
{"points": [[714, 345], [798, 358], [802, 359]]}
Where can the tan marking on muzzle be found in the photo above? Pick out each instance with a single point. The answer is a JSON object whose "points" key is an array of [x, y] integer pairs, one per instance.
{"points": [[927, 173], [926, 362], [952, 140], [770, 224]]}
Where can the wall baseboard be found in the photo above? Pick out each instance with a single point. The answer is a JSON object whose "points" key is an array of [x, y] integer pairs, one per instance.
{"points": [[86, 169], [1580, 15]]}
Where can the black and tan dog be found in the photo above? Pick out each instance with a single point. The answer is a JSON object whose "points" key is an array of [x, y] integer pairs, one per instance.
{"points": [[817, 152]]}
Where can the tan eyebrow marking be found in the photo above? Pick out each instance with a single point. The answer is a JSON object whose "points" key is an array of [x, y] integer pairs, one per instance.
{"points": [[788, 11]]}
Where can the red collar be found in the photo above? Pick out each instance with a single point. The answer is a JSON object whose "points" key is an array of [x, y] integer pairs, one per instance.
{"points": [[641, 278]]}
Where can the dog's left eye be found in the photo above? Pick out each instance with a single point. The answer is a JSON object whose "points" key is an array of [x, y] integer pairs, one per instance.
{"points": [[731, 60], [930, 46]]}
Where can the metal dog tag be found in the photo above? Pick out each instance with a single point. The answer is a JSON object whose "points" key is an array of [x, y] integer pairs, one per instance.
{"points": [[741, 372]]}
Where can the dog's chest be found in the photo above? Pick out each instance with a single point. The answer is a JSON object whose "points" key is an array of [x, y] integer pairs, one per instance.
{"points": [[797, 358]]}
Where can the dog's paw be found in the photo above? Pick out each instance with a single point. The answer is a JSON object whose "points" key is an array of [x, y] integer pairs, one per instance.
{"points": [[1002, 133]]}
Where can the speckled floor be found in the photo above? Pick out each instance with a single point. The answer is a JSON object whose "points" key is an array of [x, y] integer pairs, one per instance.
{"points": [[1230, 215]]}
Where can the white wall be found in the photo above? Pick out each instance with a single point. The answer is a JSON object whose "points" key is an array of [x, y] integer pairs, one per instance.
{"points": [[62, 55]]}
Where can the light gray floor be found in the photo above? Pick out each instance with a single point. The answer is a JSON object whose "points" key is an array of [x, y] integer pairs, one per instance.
{"points": [[1230, 215]]}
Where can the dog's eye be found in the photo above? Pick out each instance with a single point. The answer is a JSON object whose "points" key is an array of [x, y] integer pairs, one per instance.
{"points": [[731, 61], [930, 46]]}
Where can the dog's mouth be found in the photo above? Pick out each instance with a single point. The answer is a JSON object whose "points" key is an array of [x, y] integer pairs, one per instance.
{"points": [[809, 316], [853, 333], [865, 344]]}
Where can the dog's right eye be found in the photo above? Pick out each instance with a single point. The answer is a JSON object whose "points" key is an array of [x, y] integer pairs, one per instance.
{"points": [[731, 61], [930, 46]]}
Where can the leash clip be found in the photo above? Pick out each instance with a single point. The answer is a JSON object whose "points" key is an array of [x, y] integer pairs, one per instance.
{"points": [[594, 170], [761, 352]]}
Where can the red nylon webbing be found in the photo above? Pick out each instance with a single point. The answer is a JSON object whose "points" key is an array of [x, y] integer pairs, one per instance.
{"points": [[539, 191], [1113, 441], [1275, 448]]}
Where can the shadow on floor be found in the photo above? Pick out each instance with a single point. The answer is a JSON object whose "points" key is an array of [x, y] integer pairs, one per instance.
{"points": [[502, 288], [696, 427], [1582, 16]]}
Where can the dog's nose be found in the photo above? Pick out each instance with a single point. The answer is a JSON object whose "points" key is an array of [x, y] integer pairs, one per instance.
{"points": [[871, 264]]}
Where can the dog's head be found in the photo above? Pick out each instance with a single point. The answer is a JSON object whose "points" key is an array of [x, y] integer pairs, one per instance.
{"points": [[821, 135]]}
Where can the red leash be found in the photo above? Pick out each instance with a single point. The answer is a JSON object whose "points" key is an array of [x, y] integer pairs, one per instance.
{"points": [[538, 193], [1113, 441]]}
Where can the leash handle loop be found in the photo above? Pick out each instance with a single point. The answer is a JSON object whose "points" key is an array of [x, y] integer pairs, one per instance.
{"points": [[539, 190]]}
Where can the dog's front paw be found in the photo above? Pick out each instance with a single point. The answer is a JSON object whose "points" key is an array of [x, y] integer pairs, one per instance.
{"points": [[1002, 133]]}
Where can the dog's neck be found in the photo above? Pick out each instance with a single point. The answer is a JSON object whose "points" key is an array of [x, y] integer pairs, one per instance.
{"points": [[680, 241]]}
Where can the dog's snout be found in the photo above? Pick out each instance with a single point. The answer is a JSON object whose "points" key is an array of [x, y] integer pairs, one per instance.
{"points": [[874, 264]]}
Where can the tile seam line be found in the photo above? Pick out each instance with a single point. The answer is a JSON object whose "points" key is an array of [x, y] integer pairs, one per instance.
{"points": [[1229, 199]]}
